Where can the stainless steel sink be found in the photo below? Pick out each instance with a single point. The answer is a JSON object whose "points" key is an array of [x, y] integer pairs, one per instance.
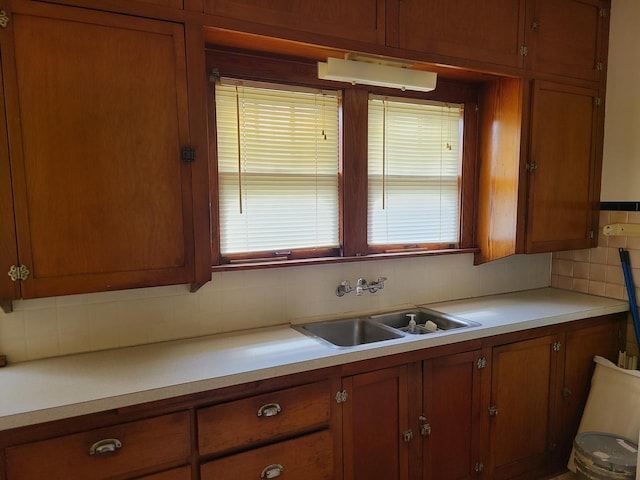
{"points": [[440, 321], [349, 332]]}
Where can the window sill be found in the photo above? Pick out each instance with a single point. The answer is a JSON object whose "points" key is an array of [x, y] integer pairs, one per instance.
{"points": [[251, 265]]}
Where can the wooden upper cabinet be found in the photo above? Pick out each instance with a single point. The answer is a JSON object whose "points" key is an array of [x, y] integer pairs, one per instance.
{"points": [[564, 190], [360, 20], [566, 37], [489, 32], [97, 116]]}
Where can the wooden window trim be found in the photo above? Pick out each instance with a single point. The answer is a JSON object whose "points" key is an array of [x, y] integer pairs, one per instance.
{"points": [[353, 175]]}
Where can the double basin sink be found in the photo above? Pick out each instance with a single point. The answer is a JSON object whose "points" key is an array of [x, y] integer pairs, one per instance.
{"points": [[349, 332]]}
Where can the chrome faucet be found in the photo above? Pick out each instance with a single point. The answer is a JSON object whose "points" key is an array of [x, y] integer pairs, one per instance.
{"points": [[361, 286]]}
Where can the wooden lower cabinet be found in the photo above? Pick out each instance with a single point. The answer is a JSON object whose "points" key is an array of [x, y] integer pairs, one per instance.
{"points": [[309, 457], [538, 389], [506, 410]]}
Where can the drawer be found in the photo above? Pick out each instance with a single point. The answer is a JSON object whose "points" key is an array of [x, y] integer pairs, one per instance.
{"points": [[143, 445], [182, 473], [309, 457], [253, 420]]}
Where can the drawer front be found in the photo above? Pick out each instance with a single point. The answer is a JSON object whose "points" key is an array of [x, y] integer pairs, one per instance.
{"points": [[182, 473], [142, 445], [253, 420], [309, 458]]}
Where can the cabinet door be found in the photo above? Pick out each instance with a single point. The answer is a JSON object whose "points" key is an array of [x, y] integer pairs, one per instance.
{"points": [[564, 185], [375, 420], [451, 402], [524, 375], [490, 31], [98, 115], [361, 20], [566, 38], [581, 346]]}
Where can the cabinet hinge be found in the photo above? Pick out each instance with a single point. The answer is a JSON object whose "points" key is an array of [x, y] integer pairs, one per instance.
{"points": [[478, 467], [18, 272], [188, 155], [524, 50], [407, 435], [592, 234], [214, 75], [341, 396], [493, 411], [4, 19], [425, 428], [482, 362], [535, 25], [598, 101], [600, 66], [556, 346], [604, 12]]}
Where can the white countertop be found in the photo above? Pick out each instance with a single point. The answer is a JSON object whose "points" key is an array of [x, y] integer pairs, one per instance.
{"points": [[62, 387]]}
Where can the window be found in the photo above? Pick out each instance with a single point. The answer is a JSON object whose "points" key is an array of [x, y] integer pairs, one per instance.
{"points": [[278, 162], [306, 170], [414, 171]]}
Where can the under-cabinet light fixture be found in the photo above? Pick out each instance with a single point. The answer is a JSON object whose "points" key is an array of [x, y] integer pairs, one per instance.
{"points": [[370, 73]]}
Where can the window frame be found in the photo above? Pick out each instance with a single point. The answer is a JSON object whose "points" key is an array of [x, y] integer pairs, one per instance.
{"points": [[353, 176]]}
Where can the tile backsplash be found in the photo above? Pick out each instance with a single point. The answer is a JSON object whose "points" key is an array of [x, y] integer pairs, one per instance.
{"points": [[598, 270], [239, 300]]}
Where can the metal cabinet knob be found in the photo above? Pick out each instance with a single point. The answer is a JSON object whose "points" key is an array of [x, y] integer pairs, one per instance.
{"points": [[269, 410], [102, 447], [272, 471]]}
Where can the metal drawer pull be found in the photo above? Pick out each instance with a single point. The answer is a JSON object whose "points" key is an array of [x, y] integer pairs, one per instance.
{"points": [[108, 445], [272, 471], [269, 410]]}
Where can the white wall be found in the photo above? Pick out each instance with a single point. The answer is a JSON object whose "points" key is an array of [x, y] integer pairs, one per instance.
{"points": [[248, 299], [621, 163]]}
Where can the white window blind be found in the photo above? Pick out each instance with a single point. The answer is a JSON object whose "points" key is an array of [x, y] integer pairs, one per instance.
{"points": [[414, 172], [278, 160]]}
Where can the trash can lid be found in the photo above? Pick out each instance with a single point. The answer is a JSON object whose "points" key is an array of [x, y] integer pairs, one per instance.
{"points": [[607, 451]]}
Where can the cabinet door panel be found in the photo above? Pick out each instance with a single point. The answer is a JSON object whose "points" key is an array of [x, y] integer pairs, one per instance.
{"points": [[563, 195], [484, 31], [451, 401], [566, 38], [354, 20], [524, 375], [375, 416], [102, 198]]}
